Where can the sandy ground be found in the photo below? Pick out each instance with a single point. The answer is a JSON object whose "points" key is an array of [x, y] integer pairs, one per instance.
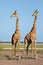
{"points": [[6, 59]]}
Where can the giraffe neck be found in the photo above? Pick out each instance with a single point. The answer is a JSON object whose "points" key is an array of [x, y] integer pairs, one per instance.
{"points": [[17, 27], [35, 21]]}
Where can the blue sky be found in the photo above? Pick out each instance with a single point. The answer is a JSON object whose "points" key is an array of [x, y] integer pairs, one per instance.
{"points": [[25, 8]]}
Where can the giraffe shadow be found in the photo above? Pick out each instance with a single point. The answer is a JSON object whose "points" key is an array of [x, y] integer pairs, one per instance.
{"points": [[7, 57], [27, 57]]}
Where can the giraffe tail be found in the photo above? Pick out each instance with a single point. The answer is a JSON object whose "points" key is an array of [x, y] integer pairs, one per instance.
{"points": [[12, 39]]}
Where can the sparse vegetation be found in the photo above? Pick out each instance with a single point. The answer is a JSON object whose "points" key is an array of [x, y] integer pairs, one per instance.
{"points": [[8, 46]]}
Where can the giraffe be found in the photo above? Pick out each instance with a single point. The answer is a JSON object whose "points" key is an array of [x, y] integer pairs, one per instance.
{"points": [[30, 38], [16, 35]]}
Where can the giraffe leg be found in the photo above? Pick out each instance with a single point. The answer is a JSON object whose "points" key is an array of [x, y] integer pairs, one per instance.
{"points": [[35, 50], [19, 48], [27, 49], [28, 44], [32, 48], [25, 45], [14, 48], [24, 48]]}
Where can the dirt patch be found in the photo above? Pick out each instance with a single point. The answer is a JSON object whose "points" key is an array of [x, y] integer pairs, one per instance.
{"points": [[6, 59]]}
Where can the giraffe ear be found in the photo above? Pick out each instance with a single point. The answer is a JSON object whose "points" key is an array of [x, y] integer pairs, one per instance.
{"points": [[15, 11], [36, 11], [32, 14], [11, 16]]}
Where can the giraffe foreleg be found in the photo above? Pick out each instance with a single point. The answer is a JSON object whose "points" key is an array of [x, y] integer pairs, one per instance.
{"points": [[32, 47], [35, 49], [19, 48]]}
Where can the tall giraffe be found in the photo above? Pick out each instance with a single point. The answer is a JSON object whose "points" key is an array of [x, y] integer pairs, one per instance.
{"points": [[30, 38], [16, 36]]}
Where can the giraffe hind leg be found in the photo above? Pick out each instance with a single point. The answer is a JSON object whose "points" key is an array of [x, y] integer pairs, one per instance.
{"points": [[25, 45], [29, 42], [27, 49], [14, 43], [12, 46]]}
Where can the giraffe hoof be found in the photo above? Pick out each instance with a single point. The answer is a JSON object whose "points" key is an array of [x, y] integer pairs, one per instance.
{"points": [[19, 57], [36, 57], [14, 57]]}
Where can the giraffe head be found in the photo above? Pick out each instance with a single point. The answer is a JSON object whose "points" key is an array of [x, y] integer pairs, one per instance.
{"points": [[15, 14], [35, 13]]}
